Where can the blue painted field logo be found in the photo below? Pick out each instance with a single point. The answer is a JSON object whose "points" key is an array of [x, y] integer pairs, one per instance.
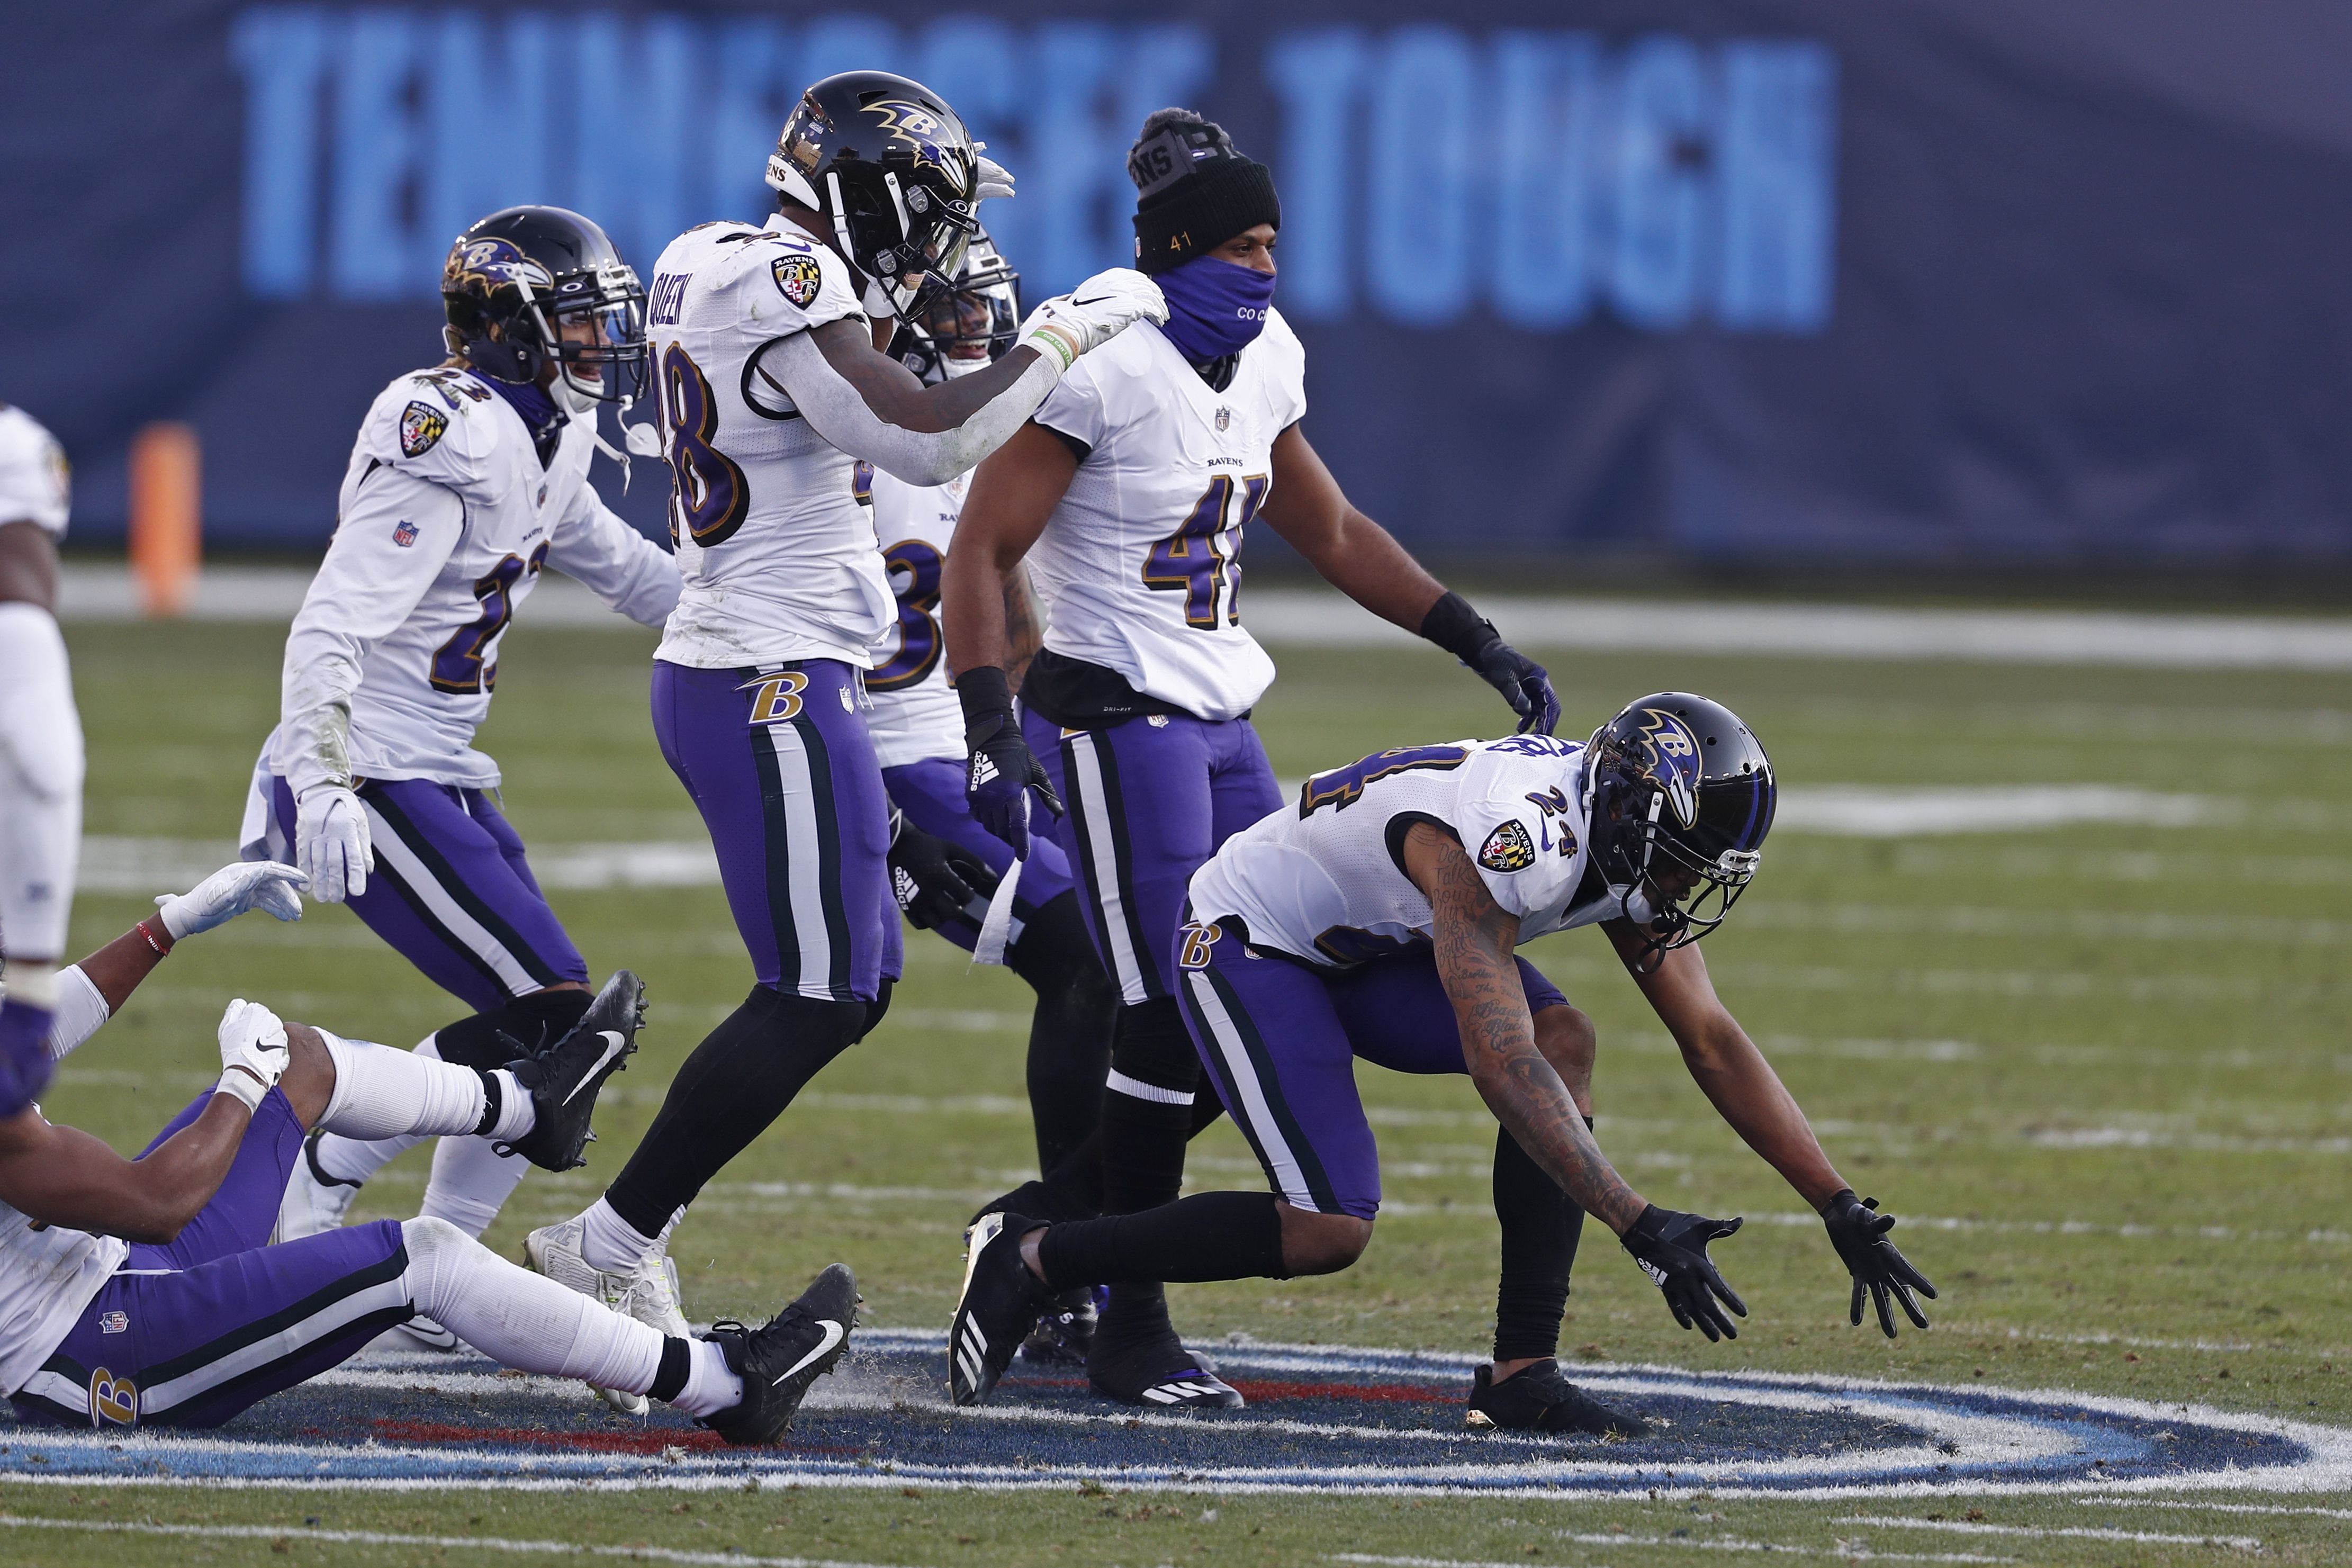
{"points": [[1320, 1420]]}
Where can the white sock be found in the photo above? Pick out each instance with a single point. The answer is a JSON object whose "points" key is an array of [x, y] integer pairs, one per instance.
{"points": [[471, 1181], [524, 1319], [710, 1386], [613, 1245], [380, 1092]]}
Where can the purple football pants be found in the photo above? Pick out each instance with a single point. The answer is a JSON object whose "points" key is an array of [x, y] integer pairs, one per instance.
{"points": [[779, 764], [1281, 1040], [453, 893], [930, 793], [189, 1333], [1149, 801]]}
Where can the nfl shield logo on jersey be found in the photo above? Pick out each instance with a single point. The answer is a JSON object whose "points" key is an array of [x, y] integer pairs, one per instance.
{"points": [[1224, 419], [799, 278], [1507, 848], [420, 425], [405, 534]]}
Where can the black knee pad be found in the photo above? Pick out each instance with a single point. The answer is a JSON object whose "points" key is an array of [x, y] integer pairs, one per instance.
{"points": [[524, 1026], [1152, 1046]]}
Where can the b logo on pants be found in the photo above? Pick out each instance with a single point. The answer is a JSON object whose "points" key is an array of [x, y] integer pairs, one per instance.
{"points": [[112, 1398], [1198, 939], [776, 697]]}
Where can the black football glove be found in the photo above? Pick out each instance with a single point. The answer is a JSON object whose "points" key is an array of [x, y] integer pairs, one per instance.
{"points": [[1460, 631], [999, 771], [1858, 1231], [1671, 1247], [937, 880]]}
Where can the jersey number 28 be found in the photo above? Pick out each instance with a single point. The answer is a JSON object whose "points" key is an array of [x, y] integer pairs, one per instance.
{"points": [[1198, 559], [709, 494]]}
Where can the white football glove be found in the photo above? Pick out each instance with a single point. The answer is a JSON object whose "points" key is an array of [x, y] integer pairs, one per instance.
{"points": [[994, 183], [1093, 313], [252, 1038], [229, 893], [331, 842]]}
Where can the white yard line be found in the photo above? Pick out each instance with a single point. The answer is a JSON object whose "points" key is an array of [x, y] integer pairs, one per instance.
{"points": [[441, 1542], [2053, 1532], [2271, 1508]]}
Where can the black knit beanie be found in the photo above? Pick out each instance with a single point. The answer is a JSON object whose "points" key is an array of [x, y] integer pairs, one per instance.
{"points": [[1195, 190]]}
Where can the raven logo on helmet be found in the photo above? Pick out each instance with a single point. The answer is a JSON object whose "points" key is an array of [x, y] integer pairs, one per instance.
{"points": [[1673, 759], [485, 264]]}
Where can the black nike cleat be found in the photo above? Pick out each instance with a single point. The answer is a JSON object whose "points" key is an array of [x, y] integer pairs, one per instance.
{"points": [[1156, 1370], [1065, 1331], [1537, 1399], [563, 1080], [1001, 1304], [778, 1363]]}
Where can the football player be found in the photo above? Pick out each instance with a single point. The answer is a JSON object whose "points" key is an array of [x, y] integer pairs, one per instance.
{"points": [[467, 480], [777, 403], [1377, 918], [944, 865], [41, 754], [144, 1292], [1128, 493]]}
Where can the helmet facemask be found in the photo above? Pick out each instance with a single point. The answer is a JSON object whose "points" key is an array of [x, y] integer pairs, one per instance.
{"points": [[510, 317], [954, 328], [595, 325], [1679, 857]]}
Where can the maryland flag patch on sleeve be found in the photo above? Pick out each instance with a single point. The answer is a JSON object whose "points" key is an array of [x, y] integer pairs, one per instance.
{"points": [[1507, 848], [420, 424], [799, 277]]}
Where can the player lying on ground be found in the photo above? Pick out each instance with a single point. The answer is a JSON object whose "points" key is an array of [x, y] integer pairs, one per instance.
{"points": [[466, 481], [1129, 493], [778, 405], [144, 1291], [945, 865], [1393, 893]]}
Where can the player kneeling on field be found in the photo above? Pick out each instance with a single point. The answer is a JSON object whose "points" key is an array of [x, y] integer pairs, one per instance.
{"points": [[145, 1292], [1377, 918]]}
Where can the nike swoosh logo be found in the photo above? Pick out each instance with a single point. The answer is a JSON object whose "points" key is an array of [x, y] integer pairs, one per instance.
{"points": [[614, 1045], [834, 1334], [1095, 301]]}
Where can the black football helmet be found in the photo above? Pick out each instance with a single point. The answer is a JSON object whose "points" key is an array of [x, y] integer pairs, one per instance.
{"points": [[516, 279], [893, 168], [981, 308], [1681, 795]]}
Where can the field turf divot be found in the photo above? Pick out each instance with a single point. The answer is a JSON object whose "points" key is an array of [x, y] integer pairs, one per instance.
{"points": [[1321, 1419]]}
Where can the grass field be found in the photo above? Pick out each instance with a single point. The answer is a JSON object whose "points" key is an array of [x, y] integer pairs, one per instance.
{"points": [[2111, 1058]]}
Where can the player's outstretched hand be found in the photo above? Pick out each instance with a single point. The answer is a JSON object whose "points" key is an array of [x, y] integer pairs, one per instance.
{"points": [[1093, 313], [230, 892], [997, 783], [251, 1037], [1858, 1231], [331, 843], [936, 880], [1671, 1247], [1525, 685]]}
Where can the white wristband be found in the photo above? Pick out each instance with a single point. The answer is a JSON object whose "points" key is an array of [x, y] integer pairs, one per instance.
{"points": [[244, 1086]]}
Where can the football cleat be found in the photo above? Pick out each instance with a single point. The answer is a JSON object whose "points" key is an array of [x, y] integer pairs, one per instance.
{"points": [[563, 1080], [1066, 1331], [314, 1201], [650, 1295], [1002, 1301], [1537, 1399], [778, 1363], [1150, 1366], [430, 1334]]}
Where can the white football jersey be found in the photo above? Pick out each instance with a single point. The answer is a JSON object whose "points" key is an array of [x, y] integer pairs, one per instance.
{"points": [[48, 1275], [446, 520], [35, 482], [1324, 880], [915, 713], [773, 524], [1138, 563]]}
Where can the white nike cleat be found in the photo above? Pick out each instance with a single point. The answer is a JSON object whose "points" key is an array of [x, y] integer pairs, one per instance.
{"points": [[650, 1295], [315, 1202], [430, 1334]]}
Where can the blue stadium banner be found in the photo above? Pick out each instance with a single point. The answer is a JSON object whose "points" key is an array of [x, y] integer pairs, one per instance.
{"points": [[1979, 281]]}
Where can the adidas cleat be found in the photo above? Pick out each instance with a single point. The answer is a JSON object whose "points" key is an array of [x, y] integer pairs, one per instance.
{"points": [[650, 1295], [1537, 1399], [315, 1202], [1158, 1372], [1001, 1301], [778, 1363], [563, 1080], [1065, 1332]]}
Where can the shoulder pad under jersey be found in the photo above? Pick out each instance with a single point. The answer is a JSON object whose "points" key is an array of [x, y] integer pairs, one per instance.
{"points": [[441, 425]]}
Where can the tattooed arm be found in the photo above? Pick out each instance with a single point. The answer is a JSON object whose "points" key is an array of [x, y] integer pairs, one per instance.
{"points": [[1475, 939], [1023, 635]]}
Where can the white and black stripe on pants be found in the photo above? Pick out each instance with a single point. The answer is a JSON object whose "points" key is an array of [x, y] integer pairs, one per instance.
{"points": [[803, 872], [406, 857], [1106, 865]]}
